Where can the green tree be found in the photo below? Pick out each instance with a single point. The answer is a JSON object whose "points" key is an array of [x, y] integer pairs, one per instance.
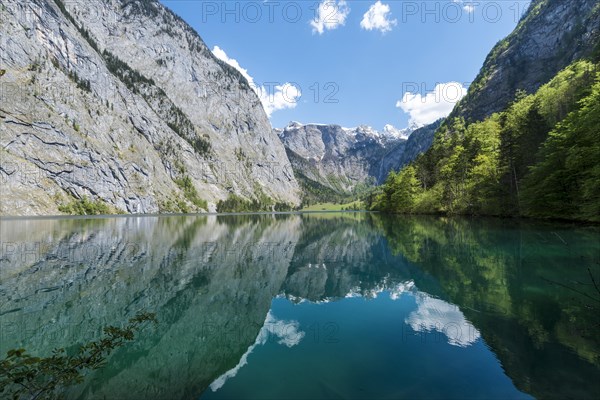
{"points": [[404, 191], [25, 376], [566, 183]]}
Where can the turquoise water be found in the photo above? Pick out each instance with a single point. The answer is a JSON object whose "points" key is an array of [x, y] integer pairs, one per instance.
{"points": [[311, 306]]}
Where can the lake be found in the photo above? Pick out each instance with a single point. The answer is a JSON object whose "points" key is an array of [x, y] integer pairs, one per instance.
{"points": [[325, 305]]}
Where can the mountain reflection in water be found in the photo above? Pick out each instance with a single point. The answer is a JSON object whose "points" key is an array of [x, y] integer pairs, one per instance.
{"points": [[323, 305]]}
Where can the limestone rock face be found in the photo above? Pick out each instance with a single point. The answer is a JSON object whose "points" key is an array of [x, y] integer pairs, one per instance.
{"points": [[550, 36], [122, 102], [339, 158]]}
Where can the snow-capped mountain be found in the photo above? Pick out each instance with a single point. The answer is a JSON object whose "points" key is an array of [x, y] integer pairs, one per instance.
{"points": [[334, 158], [393, 132], [361, 132]]}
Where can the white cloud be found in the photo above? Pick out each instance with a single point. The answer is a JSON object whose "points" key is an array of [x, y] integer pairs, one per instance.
{"points": [[281, 97], [436, 315], [434, 105], [377, 18], [287, 332], [330, 15], [468, 6], [274, 98], [221, 55]]}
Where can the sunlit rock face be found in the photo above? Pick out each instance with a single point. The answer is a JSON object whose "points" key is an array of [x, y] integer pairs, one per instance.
{"points": [[340, 158], [549, 37], [116, 101]]}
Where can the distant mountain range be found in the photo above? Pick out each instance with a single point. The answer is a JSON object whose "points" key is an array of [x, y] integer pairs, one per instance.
{"points": [[339, 161]]}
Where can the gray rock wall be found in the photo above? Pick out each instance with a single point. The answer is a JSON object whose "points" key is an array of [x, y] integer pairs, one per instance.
{"points": [[552, 35], [75, 125]]}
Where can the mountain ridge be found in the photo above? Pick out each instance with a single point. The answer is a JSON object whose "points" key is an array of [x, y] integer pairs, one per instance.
{"points": [[333, 163], [340, 159], [111, 108], [549, 37]]}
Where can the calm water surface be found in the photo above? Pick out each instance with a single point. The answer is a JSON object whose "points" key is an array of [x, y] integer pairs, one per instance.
{"points": [[311, 306]]}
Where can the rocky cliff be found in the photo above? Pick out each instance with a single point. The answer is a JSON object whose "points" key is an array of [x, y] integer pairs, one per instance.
{"points": [[402, 153], [120, 103], [549, 37], [341, 159], [418, 143]]}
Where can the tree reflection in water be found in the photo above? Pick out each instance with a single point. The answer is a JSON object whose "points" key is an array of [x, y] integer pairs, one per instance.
{"points": [[212, 281]]}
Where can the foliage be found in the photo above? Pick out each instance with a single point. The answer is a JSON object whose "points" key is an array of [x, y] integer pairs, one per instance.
{"points": [[173, 204], [26, 376], [190, 192], [83, 84], [540, 158], [283, 207], [130, 77], [351, 206], [400, 191], [567, 180], [85, 206], [182, 126], [315, 193], [235, 203]]}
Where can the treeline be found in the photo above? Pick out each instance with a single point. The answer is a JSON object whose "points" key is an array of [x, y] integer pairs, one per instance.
{"points": [[314, 192], [538, 158], [237, 204]]}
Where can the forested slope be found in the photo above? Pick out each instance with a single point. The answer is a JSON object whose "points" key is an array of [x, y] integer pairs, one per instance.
{"points": [[538, 158]]}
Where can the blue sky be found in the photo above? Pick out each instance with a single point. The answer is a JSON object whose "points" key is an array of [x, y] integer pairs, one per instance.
{"points": [[353, 61]]}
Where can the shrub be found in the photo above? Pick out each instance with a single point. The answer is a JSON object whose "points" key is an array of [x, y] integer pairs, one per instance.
{"points": [[190, 193], [24, 376], [84, 206]]}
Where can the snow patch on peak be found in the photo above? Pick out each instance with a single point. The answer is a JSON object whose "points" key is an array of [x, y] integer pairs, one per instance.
{"points": [[392, 132], [389, 133], [294, 125], [368, 131]]}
